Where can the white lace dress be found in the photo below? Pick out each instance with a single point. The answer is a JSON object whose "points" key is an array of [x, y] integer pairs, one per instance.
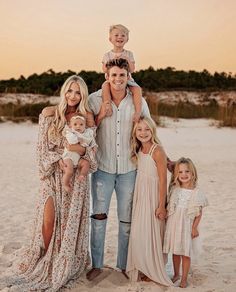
{"points": [[184, 206]]}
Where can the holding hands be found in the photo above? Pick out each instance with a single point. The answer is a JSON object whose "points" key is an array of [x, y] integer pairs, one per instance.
{"points": [[160, 213]]}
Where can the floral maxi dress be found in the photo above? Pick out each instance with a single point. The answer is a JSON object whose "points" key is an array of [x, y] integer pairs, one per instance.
{"points": [[67, 255]]}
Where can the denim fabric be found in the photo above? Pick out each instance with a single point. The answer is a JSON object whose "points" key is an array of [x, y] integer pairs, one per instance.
{"points": [[103, 185]]}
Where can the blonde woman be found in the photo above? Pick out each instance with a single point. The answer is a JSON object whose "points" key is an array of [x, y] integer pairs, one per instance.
{"points": [[145, 255], [185, 205], [59, 248]]}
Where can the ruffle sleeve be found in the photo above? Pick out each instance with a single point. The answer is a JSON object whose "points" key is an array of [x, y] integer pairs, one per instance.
{"points": [[172, 202], [196, 203], [90, 153], [46, 153]]}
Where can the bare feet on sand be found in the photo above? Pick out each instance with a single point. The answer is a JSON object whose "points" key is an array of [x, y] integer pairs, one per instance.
{"points": [[183, 284], [175, 278]]}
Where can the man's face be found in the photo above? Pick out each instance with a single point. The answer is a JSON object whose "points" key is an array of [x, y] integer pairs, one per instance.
{"points": [[118, 78]]}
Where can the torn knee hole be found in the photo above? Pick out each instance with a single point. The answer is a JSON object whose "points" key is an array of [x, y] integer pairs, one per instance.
{"points": [[99, 216], [125, 222]]}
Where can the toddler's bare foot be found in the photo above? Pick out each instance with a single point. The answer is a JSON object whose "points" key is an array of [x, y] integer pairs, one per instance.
{"points": [[183, 284], [81, 177], [175, 278], [136, 117]]}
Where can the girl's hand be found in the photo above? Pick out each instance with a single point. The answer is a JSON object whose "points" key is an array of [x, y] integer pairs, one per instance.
{"points": [[62, 164], [160, 213], [194, 233]]}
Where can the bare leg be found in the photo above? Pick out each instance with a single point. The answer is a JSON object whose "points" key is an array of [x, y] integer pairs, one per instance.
{"points": [[68, 172], [137, 100], [185, 270], [84, 169], [176, 264], [48, 222], [106, 97]]}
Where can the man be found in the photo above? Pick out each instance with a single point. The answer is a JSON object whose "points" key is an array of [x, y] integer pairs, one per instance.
{"points": [[115, 169]]}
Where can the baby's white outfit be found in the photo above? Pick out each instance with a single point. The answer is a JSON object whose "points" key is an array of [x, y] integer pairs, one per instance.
{"points": [[73, 137]]}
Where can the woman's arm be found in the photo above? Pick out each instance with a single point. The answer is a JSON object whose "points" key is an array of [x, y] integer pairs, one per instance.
{"points": [[90, 120], [159, 157]]}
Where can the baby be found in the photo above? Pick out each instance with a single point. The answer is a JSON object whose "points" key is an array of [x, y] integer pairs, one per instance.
{"points": [[76, 132]]}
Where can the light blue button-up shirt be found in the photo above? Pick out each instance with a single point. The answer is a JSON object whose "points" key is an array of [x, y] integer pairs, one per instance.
{"points": [[113, 134]]}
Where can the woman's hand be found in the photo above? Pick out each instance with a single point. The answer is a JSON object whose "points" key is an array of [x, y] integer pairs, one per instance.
{"points": [[160, 213], [194, 233]]}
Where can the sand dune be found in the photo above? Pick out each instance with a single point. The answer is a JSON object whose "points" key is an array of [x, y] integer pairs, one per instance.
{"points": [[213, 151]]}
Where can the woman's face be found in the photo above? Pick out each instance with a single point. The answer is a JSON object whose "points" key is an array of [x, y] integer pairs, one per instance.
{"points": [[73, 96]]}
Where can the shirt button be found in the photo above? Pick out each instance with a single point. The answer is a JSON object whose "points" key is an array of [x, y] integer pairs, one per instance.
{"points": [[118, 133]]}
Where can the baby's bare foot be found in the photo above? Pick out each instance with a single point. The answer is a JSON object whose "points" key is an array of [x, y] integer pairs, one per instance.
{"points": [[136, 117], [81, 177], [68, 188]]}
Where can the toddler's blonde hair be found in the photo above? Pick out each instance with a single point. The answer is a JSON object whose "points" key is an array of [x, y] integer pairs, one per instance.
{"points": [[120, 27]]}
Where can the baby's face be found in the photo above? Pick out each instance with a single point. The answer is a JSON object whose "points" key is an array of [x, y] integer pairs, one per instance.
{"points": [[78, 125]]}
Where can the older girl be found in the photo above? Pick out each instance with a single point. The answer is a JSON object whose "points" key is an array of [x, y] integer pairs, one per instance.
{"points": [[145, 255]]}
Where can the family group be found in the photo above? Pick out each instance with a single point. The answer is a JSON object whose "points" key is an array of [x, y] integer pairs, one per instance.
{"points": [[109, 134]]}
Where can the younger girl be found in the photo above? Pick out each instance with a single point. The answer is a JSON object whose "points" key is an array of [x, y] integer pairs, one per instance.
{"points": [[184, 214], [145, 253]]}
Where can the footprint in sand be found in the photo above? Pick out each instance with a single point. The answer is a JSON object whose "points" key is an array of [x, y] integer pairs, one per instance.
{"points": [[11, 247]]}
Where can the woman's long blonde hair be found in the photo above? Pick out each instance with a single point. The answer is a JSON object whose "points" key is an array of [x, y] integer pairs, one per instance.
{"points": [[136, 144], [174, 182], [59, 120]]}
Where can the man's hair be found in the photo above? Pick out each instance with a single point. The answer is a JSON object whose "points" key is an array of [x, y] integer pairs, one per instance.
{"points": [[121, 63], [120, 27]]}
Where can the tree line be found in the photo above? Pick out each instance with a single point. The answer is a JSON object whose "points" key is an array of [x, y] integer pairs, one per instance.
{"points": [[50, 82]]}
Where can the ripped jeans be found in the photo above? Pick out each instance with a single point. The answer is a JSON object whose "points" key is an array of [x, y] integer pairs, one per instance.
{"points": [[103, 185]]}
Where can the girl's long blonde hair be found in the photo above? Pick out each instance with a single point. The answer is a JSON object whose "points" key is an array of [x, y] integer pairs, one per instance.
{"points": [[174, 182], [136, 144], [59, 120]]}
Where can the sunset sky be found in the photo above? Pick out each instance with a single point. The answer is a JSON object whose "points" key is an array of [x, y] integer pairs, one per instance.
{"points": [[73, 34]]}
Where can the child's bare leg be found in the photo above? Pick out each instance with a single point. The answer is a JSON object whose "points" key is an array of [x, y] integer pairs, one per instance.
{"points": [[176, 264], [137, 100], [84, 169], [106, 97], [185, 270], [68, 172]]}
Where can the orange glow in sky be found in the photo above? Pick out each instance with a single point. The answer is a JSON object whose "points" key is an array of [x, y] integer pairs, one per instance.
{"points": [[73, 34]]}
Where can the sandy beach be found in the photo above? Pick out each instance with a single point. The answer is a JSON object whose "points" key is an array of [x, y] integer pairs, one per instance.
{"points": [[213, 151]]}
